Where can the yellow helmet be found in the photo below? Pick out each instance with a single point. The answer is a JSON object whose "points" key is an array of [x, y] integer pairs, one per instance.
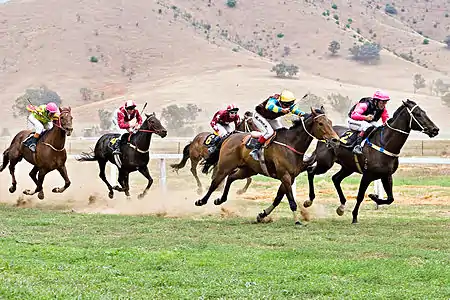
{"points": [[287, 96]]}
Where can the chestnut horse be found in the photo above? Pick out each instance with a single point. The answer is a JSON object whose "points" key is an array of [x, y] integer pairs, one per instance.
{"points": [[197, 150], [283, 158], [380, 159], [50, 154]]}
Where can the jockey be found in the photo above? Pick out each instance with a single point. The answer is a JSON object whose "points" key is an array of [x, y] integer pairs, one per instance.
{"points": [[267, 114], [121, 120], [365, 115], [41, 118], [223, 123]]}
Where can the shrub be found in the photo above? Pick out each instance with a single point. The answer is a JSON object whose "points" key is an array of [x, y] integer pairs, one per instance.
{"points": [[367, 53], [426, 41], [334, 6], [280, 35], [94, 59], [231, 3], [390, 9], [418, 82], [334, 47], [284, 70], [340, 104], [86, 94], [446, 99], [447, 41], [36, 97], [336, 17], [105, 117], [180, 119]]}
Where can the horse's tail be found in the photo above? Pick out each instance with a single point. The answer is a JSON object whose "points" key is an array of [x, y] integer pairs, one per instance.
{"points": [[311, 159], [84, 156], [210, 162], [183, 161], [5, 159]]}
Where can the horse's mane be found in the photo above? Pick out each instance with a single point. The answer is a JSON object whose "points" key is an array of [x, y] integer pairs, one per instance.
{"points": [[298, 122], [397, 111]]}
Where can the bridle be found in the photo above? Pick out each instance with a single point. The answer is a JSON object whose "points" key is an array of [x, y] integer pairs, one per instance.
{"points": [[304, 127], [412, 117], [58, 123]]}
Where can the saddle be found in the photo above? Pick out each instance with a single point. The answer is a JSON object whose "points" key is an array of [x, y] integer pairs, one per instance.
{"points": [[209, 139], [348, 138], [251, 139], [113, 141]]}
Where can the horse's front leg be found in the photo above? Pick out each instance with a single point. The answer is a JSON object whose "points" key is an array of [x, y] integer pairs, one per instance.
{"points": [[144, 171], [39, 189], [63, 171]]}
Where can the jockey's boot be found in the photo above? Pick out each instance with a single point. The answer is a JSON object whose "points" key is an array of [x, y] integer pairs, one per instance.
{"points": [[358, 149], [256, 147], [31, 142], [214, 145]]}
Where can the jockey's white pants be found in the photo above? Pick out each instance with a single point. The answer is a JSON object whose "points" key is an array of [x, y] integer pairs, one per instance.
{"points": [[223, 130], [38, 127], [359, 125], [116, 123], [267, 127]]}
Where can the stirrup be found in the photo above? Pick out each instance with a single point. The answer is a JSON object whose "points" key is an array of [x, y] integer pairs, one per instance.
{"points": [[357, 149], [255, 154]]}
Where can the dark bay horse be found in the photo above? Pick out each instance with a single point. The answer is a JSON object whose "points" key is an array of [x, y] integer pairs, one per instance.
{"points": [[134, 154], [283, 158], [197, 151], [50, 154], [380, 155]]}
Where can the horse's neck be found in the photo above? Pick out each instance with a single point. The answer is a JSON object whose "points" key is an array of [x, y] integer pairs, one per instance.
{"points": [[392, 140], [299, 138], [55, 137], [142, 139]]}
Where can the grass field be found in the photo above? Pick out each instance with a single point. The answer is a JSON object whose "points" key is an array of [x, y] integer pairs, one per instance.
{"points": [[401, 251]]}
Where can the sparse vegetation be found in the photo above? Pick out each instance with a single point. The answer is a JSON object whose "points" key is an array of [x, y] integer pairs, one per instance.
{"points": [[407, 56], [390, 9], [446, 99], [280, 35], [86, 94], [180, 119], [105, 117], [284, 70], [334, 6], [367, 53], [286, 51], [426, 41], [340, 104], [311, 100], [336, 17], [93, 59], [447, 41], [438, 87], [231, 3], [334, 47], [418, 82], [36, 97]]}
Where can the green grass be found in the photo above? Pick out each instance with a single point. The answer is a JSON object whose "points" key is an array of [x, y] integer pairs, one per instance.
{"points": [[401, 252]]}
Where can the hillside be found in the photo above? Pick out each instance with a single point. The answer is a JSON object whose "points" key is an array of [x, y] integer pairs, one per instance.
{"points": [[204, 52]]}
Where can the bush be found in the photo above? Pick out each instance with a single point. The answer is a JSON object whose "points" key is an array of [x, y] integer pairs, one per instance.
{"points": [[105, 119], [94, 59], [86, 94], [334, 6], [390, 9], [334, 47], [178, 118], [447, 41], [446, 99], [340, 104], [310, 101], [36, 97], [336, 17], [284, 70], [231, 3], [418, 82], [367, 53], [426, 41], [280, 35]]}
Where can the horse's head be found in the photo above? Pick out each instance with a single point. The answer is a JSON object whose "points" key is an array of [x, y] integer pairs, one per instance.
{"points": [[247, 124], [322, 127], [65, 120], [420, 120], [152, 123]]}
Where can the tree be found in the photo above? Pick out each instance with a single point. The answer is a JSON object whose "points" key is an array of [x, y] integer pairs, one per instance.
{"points": [[334, 47], [418, 82], [284, 70], [340, 103], [446, 99], [366, 53], [105, 119], [178, 117], [36, 97], [86, 94]]}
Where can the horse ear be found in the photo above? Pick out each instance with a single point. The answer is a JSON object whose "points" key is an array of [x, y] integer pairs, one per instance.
{"points": [[312, 110], [405, 102], [147, 115], [322, 108]]}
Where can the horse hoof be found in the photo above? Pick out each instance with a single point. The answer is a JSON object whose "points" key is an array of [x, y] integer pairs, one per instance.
{"points": [[28, 192], [354, 222], [41, 195], [12, 189], [57, 190], [340, 211], [140, 196], [307, 203], [199, 203], [374, 197], [240, 192], [218, 201], [260, 217], [298, 223], [111, 194]]}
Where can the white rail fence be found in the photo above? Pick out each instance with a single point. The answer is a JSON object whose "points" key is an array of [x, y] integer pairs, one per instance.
{"points": [[378, 187]]}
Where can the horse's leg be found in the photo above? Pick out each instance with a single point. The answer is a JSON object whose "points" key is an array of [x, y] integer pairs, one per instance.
{"points": [[223, 170], [280, 194], [63, 171], [102, 166], [240, 173], [144, 171], [363, 185], [320, 168], [194, 163], [245, 188], [221, 185], [121, 181], [33, 174], [337, 179], [387, 185], [287, 180], [126, 186], [12, 169], [39, 189]]}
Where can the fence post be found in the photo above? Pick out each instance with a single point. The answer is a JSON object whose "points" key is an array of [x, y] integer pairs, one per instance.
{"points": [[163, 174], [113, 174], [378, 189]]}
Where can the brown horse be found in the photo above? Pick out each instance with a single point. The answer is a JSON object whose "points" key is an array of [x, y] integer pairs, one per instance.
{"points": [[283, 158], [50, 154], [197, 150], [379, 159]]}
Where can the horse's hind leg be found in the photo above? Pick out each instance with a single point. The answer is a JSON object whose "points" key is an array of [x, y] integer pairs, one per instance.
{"points": [[223, 171], [102, 175], [221, 185], [194, 163], [337, 179], [287, 182], [12, 169], [280, 194], [245, 188], [144, 171], [40, 181], [63, 171], [321, 168], [387, 185], [33, 174], [240, 173]]}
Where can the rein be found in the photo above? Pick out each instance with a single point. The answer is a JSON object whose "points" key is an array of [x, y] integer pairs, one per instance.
{"points": [[58, 124], [134, 146]]}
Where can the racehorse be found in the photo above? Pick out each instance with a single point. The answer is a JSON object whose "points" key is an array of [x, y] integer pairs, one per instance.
{"points": [[134, 157], [50, 154], [198, 150], [380, 160], [282, 159]]}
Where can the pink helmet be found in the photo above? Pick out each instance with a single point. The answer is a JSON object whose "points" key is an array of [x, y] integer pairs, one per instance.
{"points": [[232, 107], [52, 107], [381, 95], [130, 104]]}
